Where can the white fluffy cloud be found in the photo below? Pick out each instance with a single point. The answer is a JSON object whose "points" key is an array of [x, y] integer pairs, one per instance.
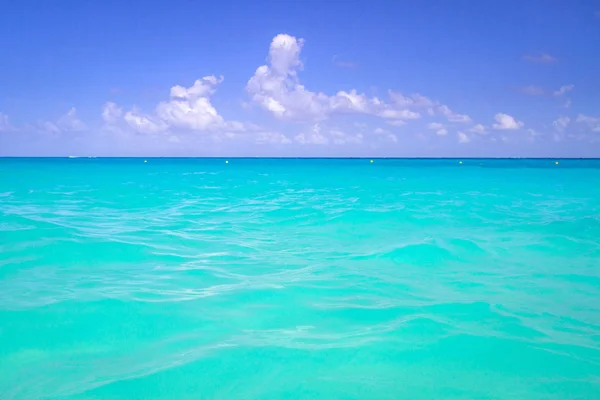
{"points": [[144, 123], [506, 122], [111, 112], [561, 123], [276, 88], [391, 113], [188, 109]]}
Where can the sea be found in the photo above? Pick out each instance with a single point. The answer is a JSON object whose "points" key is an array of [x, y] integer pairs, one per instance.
{"points": [[212, 278]]}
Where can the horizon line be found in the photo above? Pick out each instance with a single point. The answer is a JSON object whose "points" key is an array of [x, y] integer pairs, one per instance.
{"points": [[301, 158]]}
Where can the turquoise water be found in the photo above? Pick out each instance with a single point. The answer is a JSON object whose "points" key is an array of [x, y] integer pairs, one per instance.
{"points": [[299, 279]]}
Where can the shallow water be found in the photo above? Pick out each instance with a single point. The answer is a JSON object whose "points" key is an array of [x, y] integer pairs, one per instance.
{"points": [[299, 279]]}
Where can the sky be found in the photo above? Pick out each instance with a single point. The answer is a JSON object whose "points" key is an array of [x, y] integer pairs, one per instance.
{"points": [[435, 78]]}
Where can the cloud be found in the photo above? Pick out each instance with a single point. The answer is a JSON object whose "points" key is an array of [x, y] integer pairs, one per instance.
{"points": [[398, 114], [532, 90], [542, 58], [463, 138], [532, 134], [506, 122], [276, 88], [272, 138], [413, 100], [338, 62], [111, 112], [313, 137], [318, 136], [67, 123], [5, 125], [188, 109], [144, 123], [435, 125], [479, 129], [70, 122], [385, 134], [563, 89], [49, 127], [340, 137], [561, 123], [567, 104], [438, 127], [593, 123], [397, 123], [452, 116]]}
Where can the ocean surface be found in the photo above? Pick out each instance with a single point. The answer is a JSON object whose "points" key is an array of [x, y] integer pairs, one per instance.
{"points": [[299, 279]]}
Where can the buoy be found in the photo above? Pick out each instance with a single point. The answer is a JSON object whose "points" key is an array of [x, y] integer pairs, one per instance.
{"points": [[226, 161], [145, 161], [556, 162], [460, 162], [371, 160]]}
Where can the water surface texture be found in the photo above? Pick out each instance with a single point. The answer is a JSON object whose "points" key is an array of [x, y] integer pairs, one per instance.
{"points": [[299, 279]]}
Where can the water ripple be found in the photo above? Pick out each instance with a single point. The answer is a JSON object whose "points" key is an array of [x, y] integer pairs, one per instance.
{"points": [[143, 279]]}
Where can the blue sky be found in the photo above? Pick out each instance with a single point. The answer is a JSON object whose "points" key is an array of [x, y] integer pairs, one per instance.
{"points": [[357, 78]]}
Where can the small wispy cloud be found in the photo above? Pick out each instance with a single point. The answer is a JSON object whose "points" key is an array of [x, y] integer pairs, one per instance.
{"points": [[480, 129], [397, 122], [561, 123], [340, 63], [532, 90], [5, 125], [593, 123], [542, 58], [439, 129], [463, 138], [69, 122], [563, 89]]}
